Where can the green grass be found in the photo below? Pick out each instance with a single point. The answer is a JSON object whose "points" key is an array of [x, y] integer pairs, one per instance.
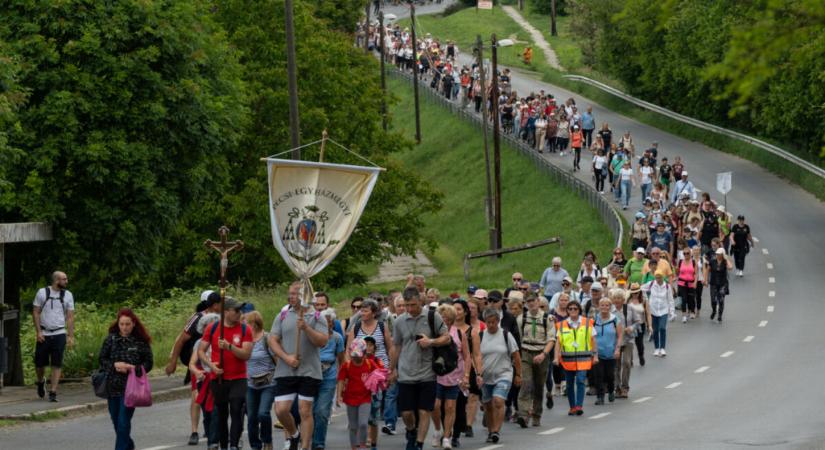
{"points": [[8, 423], [568, 49], [451, 157], [463, 27]]}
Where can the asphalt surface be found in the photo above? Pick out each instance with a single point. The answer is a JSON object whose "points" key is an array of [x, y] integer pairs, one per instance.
{"points": [[753, 380]]}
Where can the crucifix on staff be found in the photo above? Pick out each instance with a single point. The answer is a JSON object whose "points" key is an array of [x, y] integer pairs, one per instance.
{"points": [[224, 247]]}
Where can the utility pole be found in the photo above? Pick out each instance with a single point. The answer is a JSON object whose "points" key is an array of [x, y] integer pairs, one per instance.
{"points": [[367, 30], [383, 80], [415, 75], [294, 123], [496, 146], [488, 202], [553, 18]]}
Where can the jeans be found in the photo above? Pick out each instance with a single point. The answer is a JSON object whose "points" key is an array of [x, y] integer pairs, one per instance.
{"points": [[321, 410], [122, 421], [646, 187], [575, 386], [259, 416], [659, 326], [391, 406], [230, 396], [625, 193], [617, 188]]}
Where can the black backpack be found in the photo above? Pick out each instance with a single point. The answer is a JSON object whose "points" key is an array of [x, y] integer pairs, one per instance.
{"points": [[62, 294], [445, 358]]}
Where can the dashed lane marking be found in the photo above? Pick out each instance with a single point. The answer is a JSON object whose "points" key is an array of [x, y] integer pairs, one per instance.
{"points": [[552, 431], [701, 369], [673, 385], [491, 447], [763, 324], [771, 280], [642, 400], [772, 294], [747, 339], [599, 415], [770, 266], [765, 251], [770, 308], [160, 447], [726, 354]]}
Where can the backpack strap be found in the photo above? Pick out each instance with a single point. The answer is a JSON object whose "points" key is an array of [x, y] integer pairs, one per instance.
{"points": [[431, 321]]}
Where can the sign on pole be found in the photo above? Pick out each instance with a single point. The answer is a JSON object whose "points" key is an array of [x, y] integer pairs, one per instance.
{"points": [[485, 4], [724, 182]]}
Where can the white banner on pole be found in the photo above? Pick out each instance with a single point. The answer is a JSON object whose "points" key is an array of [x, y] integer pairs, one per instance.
{"points": [[724, 182], [485, 4], [314, 208]]}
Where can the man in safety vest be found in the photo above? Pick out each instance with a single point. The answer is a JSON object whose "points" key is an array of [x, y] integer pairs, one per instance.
{"points": [[575, 346]]}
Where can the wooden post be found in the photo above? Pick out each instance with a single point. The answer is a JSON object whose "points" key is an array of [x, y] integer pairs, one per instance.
{"points": [[367, 30], [488, 202], [496, 147], [415, 76], [553, 18], [383, 77], [294, 118], [324, 137], [224, 248]]}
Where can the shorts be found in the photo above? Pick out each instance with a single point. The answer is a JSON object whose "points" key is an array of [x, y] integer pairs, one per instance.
{"points": [[665, 181], [50, 352], [416, 396], [501, 389], [446, 392], [305, 388]]}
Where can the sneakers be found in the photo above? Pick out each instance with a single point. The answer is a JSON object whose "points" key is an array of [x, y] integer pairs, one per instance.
{"points": [[684, 318], [41, 389], [447, 444], [720, 317], [468, 432], [456, 443], [656, 352], [611, 397], [713, 315], [489, 438], [437, 439], [295, 442], [495, 437], [571, 411], [579, 411], [53, 396], [740, 273], [692, 316], [193, 438], [388, 430], [663, 353], [522, 422], [549, 401], [642, 360]]}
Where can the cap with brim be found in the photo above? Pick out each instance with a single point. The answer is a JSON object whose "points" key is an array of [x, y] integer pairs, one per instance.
{"points": [[567, 279], [634, 288], [247, 307], [358, 348], [515, 295], [597, 286], [640, 215], [231, 303], [495, 296], [480, 293], [205, 295], [471, 289], [640, 250], [684, 174], [720, 251]]}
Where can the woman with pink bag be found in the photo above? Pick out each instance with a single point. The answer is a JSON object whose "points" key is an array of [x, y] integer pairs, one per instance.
{"points": [[125, 350]]}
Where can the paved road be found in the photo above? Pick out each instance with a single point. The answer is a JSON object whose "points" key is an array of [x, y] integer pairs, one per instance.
{"points": [[759, 373]]}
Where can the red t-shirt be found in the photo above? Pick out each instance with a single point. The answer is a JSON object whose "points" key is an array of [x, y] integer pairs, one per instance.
{"points": [[355, 392], [233, 368]]}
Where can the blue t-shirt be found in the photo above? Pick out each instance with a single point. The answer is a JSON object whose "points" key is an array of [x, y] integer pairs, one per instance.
{"points": [[588, 122], [661, 241], [329, 354]]}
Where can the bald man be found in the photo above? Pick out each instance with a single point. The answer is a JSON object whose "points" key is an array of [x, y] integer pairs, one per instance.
{"points": [[53, 315]]}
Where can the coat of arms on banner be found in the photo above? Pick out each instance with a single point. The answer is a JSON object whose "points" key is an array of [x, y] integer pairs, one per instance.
{"points": [[306, 240]]}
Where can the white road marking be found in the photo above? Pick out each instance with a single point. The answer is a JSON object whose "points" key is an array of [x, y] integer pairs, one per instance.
{"points": [[763, 324], [160, 447], [770, 308], [770, 266], [772, 294], [701, 369], [642, 400], [491, 447], [771, 280], [673, 385], [599, 415], [765, 251], [726, 354], [747, 339], [552, 431]]}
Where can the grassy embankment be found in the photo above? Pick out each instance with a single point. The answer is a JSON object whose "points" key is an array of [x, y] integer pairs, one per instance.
{"points": [[568, 48], [450, 157]]}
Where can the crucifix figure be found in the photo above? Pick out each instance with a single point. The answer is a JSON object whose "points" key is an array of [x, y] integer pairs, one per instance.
{"points": [[223, 247]]}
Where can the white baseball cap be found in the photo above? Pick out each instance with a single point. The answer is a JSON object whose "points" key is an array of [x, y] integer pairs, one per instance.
{"points": [[205, 295], [640, 250], [720, 251]]}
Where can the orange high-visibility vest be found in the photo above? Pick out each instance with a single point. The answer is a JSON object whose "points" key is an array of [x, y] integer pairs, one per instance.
{"points": [[576, 351]]}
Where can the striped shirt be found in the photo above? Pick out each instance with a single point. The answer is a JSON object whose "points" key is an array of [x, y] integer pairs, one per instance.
{"points": [[380, 345]]}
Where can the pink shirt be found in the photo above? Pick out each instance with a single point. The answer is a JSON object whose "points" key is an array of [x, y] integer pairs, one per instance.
{"points": [[454, 377], [687, 274]]}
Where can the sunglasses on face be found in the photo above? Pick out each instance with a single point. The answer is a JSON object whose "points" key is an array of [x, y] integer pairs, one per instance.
{"points": [[358, 306], [573, 309], [516, 279], [524, 289]]}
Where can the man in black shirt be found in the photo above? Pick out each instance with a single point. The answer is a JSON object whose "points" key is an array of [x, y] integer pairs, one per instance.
{"points": [[665, 175], [742, 242]]}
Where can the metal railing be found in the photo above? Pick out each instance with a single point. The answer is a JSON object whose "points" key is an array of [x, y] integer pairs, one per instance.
{"points": [[560, 175], [782, 153]]}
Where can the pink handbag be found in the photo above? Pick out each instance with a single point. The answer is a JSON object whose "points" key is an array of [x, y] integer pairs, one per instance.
{"points": [[138, 391]]}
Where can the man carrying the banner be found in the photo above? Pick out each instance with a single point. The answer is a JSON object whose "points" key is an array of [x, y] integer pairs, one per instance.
{"points": [[297, 374]]}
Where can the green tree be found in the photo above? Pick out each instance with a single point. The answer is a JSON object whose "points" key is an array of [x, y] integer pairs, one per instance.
{"points": [[342, 15], [133, 109], [338, 91]]}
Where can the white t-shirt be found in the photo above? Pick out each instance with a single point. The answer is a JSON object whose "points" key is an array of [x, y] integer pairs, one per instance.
{"points": [[52, 313], [495, 359], [626, 174], [646, 172], [599, 162]]}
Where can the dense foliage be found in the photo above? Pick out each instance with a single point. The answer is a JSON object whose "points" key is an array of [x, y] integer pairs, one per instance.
{"points": [[756, 66], [136, 128]]}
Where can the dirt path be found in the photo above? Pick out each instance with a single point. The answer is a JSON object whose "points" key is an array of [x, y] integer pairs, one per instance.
{"points": [[536, 36], [400, 266]]}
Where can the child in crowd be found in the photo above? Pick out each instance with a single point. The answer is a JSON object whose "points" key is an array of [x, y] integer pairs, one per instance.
{"points": [[353, 392]]}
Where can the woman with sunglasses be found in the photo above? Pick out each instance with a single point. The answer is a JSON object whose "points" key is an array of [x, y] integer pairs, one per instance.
{"points": [[575, 353], [637, 306]]}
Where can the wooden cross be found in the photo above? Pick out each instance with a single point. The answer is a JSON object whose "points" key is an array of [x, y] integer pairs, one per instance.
{"points": [[223, 247]]}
